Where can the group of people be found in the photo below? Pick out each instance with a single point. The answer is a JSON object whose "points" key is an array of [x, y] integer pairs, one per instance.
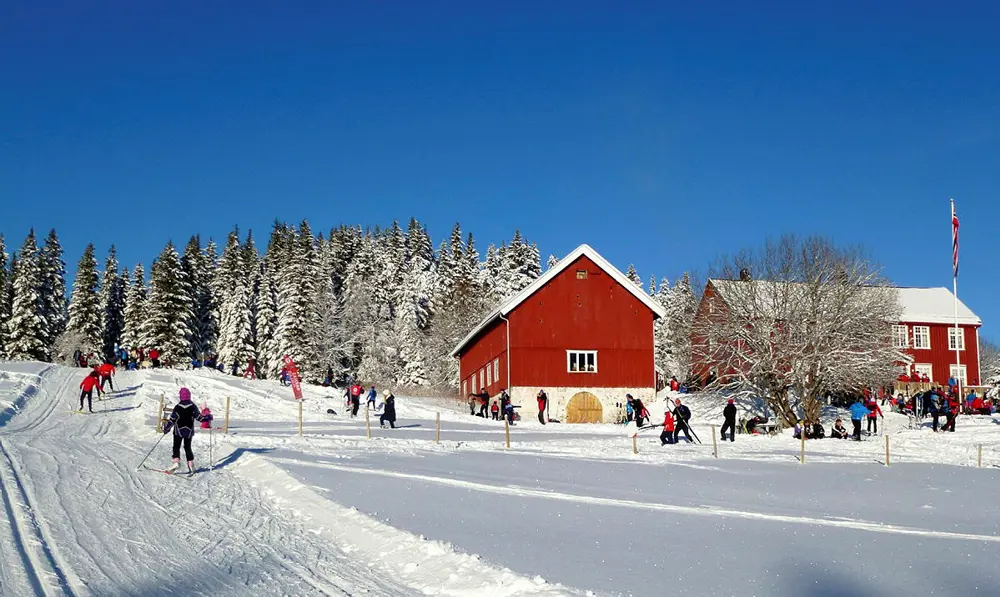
{"points": [[98, 379], [352, 393], [674, 422], [503, 407], [125, 358]]}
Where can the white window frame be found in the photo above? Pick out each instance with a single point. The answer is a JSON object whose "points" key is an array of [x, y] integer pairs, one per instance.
{"points": [[587, 359], [473, 383], [900, 333], [482, 376], [951, 339], [496, 369], [489, 375], [922, 368], [921, 332], [464, 387], [963, 374]]}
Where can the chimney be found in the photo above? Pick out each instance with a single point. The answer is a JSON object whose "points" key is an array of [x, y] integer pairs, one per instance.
{"points": [[745, 275]]}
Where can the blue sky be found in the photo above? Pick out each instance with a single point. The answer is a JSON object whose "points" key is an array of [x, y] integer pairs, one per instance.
{"points": [[663, 134]]}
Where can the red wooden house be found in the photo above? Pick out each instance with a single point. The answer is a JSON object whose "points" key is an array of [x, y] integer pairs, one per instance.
{"points": [[582, 332], [925, 333]]}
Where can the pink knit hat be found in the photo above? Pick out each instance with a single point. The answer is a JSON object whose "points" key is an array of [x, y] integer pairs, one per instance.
{"points": [[185, 394]]}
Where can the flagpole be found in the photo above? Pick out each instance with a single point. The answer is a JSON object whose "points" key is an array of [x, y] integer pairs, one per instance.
{"points": [[954, 281]]}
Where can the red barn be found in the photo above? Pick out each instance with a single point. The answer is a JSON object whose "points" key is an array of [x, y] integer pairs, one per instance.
{"points": [[582, 332]]}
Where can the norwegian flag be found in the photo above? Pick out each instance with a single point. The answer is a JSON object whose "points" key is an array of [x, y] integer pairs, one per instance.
{"points": [[954, 242]]}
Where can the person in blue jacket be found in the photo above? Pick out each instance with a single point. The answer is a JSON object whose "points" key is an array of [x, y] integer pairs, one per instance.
{"points": [[372, 395], [858, 413]]}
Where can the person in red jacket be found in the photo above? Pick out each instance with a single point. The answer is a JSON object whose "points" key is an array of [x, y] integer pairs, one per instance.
{"points": [[543, 401], [154, 356], [873, 413], [87, 387], [667, 437], [107, 371]]}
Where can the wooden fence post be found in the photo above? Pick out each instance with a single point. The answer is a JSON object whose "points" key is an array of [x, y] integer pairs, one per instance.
{"points": [[979, 458], [715, 446], [225, 426], [635, 444], [300, 418], [368, 425], [437, 430], [802, 453], [887, 450], [506, 430]]}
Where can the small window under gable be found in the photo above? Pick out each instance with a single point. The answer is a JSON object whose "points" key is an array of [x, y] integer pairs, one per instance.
{"points": [[581, 274], [581, 361]]}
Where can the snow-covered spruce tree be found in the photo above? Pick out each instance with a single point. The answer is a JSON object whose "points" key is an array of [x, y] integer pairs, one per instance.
{"points": [[53, 272], [633, 276], [296, 313], [522, 264], [415, 311], [681, 309], [26, 327], [551, 263], [368, 311], [798, 319], [267, 322], [662, 345], [332, 344], [112, 300], [135, 310], [233, 291], [494, 279], [168, 309], [199, 267], [6, 296], [85, 316]]}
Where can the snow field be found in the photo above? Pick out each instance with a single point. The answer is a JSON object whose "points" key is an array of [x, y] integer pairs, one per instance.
{"points": [[566, 510]]}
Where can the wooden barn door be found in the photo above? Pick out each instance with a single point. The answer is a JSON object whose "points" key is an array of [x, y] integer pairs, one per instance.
{"points": [[584, 407]]}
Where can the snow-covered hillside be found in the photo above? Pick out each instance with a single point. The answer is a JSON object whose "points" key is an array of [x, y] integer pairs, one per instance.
{"points": [[566, 510]]}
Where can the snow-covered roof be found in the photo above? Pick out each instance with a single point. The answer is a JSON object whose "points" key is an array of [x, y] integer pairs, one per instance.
{"points": [[919, 305], [582, 251], [934, 305]]}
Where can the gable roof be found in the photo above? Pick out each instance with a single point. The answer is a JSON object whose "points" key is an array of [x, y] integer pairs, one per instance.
{"points": [[919, 305], [510, 304]]}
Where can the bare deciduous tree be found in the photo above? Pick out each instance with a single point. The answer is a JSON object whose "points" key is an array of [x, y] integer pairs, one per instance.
{"points": [[989, 357], [795, 320]]}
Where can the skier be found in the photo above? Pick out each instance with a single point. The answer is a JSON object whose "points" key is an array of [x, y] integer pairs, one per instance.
{"points": [[154, 356], [206, 413], [641, 414], [284, 376], [667, 437], [629, 410], [543, 401], [674, 384], [729, 414], [181, 422], [873, 413], [107, 371], [504, 399], [372, 394], [389, 413], [495, 411], [508, 412], [355, 399], [682, 414], [87, 391], [858, 411]]}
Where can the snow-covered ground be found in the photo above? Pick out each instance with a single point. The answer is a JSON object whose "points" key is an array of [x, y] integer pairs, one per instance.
{"points": [[565, 510]]}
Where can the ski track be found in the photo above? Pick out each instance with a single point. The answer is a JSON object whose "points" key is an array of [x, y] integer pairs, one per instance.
{"points": [[157, 535], [520, 491]]}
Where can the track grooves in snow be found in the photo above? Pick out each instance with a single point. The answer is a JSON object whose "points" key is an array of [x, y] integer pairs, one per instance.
{"points": [[40, 563], [516, 490]]}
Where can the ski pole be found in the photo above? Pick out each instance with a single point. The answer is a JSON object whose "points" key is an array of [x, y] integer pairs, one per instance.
{"points": [[151, 451]]}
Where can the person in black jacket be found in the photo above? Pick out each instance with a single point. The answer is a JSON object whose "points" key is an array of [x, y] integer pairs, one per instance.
{"points": [[729, 413], [681, 416], [388, 412], [181, 421]]}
